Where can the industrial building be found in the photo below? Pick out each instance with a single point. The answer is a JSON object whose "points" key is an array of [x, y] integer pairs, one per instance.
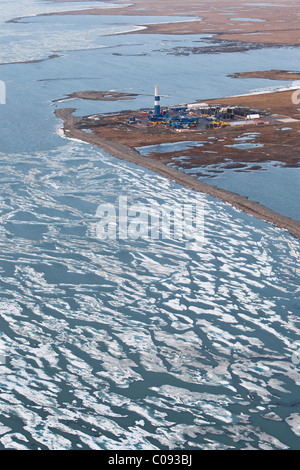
{"points": [[196, 115]]}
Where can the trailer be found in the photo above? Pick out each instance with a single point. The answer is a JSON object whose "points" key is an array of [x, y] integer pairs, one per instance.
{"points": [[252, 116], [197, 105]]}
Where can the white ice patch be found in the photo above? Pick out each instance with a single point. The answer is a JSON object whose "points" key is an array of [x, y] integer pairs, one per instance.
{"points": [[92, 324], [294, 422]]}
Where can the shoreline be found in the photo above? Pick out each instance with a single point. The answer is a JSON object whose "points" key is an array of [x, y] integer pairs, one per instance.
{"points": [[275, 141], [274, 74], [129, 154], [243, 21]]}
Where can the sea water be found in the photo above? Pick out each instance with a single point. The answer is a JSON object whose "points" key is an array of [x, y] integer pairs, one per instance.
{"points": [[132, 344], [267, 185]]}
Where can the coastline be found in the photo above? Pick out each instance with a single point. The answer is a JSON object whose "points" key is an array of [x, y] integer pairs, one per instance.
{"points": [[127, 153], [269, 74], [245, 22], [276, 142]]}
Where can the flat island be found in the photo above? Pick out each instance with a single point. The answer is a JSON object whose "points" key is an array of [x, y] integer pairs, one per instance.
{"points": [[215, 126], [269, 74]]}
